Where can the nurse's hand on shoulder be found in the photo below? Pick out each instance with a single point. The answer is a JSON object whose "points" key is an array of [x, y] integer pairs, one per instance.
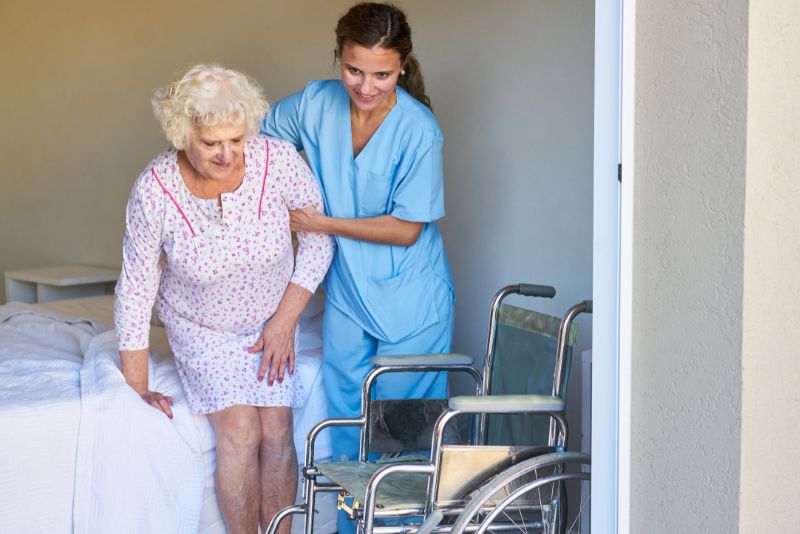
{"points": [[305, 219], [277, 342]]}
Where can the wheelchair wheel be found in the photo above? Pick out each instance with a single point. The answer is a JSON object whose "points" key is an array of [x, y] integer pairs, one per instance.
{"points": [[530, 497]]}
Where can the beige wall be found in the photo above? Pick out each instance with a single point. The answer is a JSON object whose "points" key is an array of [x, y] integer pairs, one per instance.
{"points": [[511, 84], [691, 89], [770, 344], [76, 118]]}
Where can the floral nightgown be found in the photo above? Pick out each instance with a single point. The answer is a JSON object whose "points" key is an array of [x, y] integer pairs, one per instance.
{"points": [[218, 273]]}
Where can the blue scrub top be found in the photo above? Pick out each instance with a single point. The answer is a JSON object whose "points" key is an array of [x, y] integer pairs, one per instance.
{"points": [[390, 291]]}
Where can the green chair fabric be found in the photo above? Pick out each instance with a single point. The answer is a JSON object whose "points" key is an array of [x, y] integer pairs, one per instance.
{"points": [[400, 491], [524, 360]]}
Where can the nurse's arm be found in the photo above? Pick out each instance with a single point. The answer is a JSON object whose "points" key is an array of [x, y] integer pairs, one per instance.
{"points": [[381, 229]]}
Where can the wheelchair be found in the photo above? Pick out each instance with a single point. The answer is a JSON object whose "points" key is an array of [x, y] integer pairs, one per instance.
{"points": [[492, 462]]}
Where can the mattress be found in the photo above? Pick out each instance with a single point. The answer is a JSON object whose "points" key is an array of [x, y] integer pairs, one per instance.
{"points": [[100, 310]]}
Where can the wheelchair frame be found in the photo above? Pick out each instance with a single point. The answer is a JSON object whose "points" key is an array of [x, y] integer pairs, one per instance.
{"points": [[461, 496]]}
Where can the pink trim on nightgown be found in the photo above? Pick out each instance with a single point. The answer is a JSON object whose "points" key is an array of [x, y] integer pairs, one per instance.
{"points": [[155, 175], [264, 183]]}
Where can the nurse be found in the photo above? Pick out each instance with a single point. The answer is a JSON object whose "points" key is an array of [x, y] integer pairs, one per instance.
{"points": [[373, 142]]}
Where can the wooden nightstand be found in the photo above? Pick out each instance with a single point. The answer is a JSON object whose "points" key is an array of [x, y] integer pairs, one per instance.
{"points": [[59, 282]]}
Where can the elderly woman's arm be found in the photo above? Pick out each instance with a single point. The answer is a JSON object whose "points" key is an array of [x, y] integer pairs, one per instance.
{"points": [[134, 368], [136, 288], [314, 255]]}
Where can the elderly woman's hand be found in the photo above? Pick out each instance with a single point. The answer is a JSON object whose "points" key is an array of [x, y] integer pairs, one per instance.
{"points": [[277, 342], [158, 401], [134, 369]]}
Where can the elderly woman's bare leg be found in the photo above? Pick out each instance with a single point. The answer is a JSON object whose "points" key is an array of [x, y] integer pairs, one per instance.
{"points": [[238, 435], [278, 464]]}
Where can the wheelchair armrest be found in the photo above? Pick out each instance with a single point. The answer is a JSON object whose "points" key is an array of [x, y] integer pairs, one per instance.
{"points": [[423, 360], [311, 438], [507, 404]]}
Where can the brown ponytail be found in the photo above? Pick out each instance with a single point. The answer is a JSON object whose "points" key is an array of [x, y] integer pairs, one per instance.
{"points": [[372, 24], [412, 80]]}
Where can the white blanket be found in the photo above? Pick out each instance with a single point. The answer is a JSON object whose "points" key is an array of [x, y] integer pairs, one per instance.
{"points": [[80, 452], [136, 470], [85, 454], [40, 361]]}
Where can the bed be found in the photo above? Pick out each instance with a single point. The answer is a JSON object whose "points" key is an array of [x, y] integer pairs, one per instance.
{"points": [[80, 452]]}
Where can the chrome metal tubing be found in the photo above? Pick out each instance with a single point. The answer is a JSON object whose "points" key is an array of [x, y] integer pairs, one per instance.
{"points": [[488, 362], [561, 354], [280, 516], [436, 457], [372, 376], [327, 487], [436, 448], [491, 338], [412, 529], [559, 419], [319, 427], [310, 494], [374, 483], [563, 337], [309, 472]]}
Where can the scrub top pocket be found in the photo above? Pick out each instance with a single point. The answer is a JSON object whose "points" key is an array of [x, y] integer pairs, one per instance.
{"points": [[373, 194]]}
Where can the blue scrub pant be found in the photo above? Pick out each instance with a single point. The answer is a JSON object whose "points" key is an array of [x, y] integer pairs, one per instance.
{"points": [[348, 350]]}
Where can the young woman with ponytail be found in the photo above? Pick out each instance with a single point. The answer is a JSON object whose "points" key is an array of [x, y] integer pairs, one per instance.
{"points": [[376, 148]]}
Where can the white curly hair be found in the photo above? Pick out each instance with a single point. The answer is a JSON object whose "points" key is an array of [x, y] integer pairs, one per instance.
{"points": [[208, 95]]}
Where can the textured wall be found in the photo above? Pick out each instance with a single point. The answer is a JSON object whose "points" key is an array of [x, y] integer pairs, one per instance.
{"points": [[770, 345], [687, 280]]}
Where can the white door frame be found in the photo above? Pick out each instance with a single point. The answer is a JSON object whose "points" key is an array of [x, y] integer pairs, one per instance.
{"points": [[612, 269], [628, 46]]}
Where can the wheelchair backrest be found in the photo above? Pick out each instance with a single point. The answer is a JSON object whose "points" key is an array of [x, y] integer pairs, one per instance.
{"points": [[524, 362]]}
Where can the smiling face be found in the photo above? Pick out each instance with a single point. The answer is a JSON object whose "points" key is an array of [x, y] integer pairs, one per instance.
{"points": [[216, 151], [370, 75]]}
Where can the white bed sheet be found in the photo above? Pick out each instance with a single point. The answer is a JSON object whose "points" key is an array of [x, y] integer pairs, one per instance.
{"points": [[120, 452], [64, 364], [48, 376]]}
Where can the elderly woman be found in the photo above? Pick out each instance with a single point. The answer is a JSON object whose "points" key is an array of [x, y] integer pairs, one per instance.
{"points": [[207, 239]]}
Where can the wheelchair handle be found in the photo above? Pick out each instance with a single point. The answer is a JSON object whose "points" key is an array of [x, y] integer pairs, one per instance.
{"points": [[536, 290], [528, 290], [561, 352], [561, 343]]}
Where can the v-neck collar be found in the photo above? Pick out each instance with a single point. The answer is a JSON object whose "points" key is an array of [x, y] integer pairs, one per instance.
{"points": [[348, 124]]}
